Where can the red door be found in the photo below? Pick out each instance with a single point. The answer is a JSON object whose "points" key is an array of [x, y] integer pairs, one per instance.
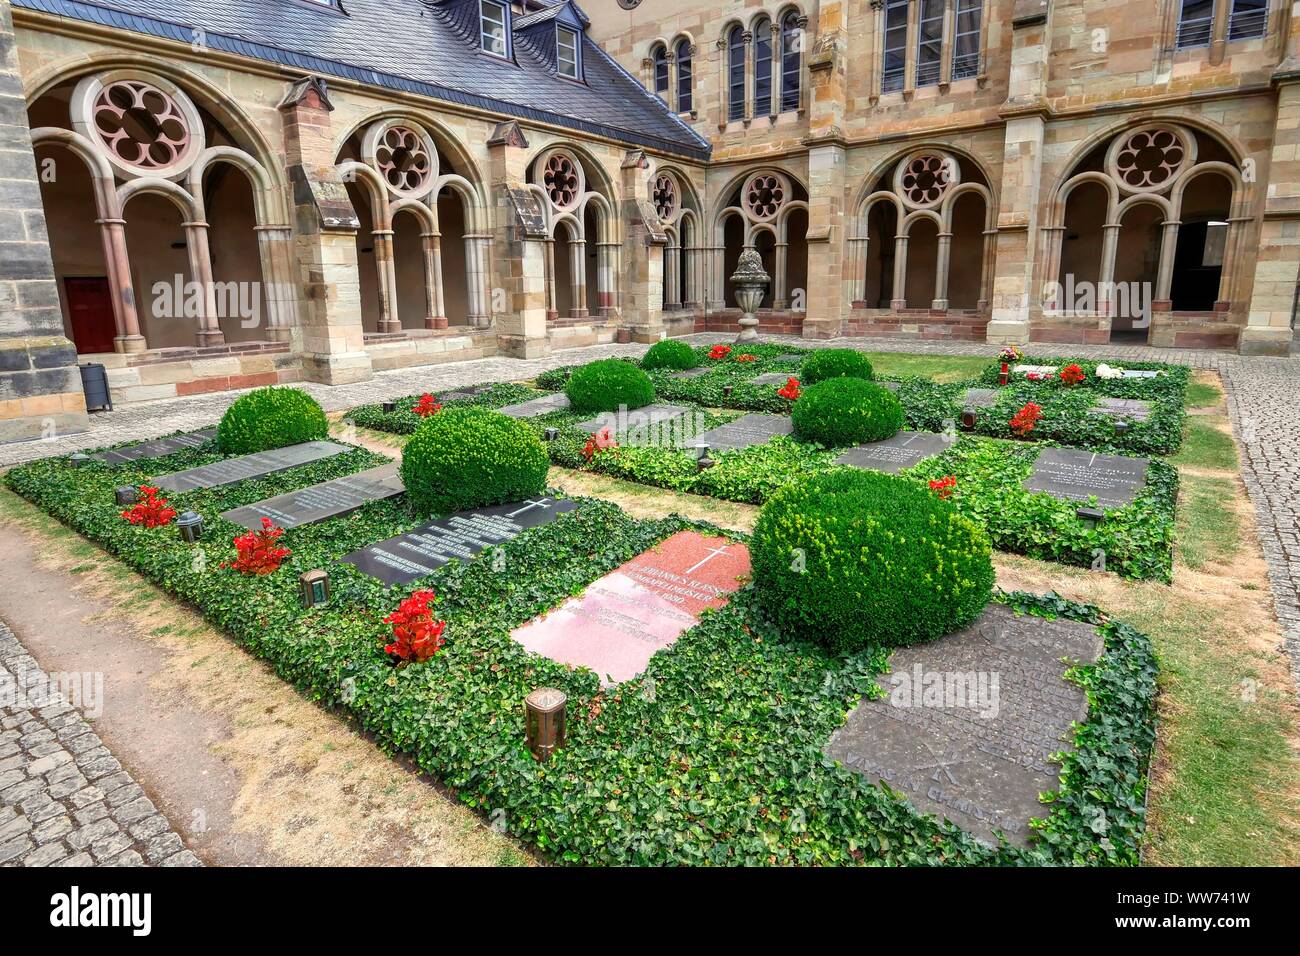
{"points": [[90, 306]]}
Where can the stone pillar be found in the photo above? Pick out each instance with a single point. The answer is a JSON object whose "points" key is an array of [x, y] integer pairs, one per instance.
{"points": [[40, 386], [200, 258], [825, 299], [643, 260], [519, 227], [325, 241], [1269, 328], [1014, 295], [940, 303], [578, 277], [431, 246]]}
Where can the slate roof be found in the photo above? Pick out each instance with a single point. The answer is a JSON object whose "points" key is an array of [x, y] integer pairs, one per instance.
{"points": [[425, 47]]}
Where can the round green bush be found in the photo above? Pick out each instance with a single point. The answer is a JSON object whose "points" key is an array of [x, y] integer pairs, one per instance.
{"points": [[469, 457], [270, 418], [607, 385], [824, 364], [846, 411], [854, 558], [670, 354]]}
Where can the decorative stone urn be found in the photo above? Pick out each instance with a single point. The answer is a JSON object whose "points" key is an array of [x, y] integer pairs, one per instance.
{"points": [[750, 282]]}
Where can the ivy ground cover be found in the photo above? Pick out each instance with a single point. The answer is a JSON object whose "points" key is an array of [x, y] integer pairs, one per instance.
{"points": [[713, 756]]}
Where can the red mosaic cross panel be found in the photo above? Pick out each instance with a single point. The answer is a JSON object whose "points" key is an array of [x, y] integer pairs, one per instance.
{"points": [[620, 621]]}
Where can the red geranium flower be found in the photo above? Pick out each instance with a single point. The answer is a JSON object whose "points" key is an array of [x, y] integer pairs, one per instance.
{"points": [[150, 511], [1072, 375], [416, 635], [427, 406], [600, 441], [790, 390], [1023, 422], [719, 352], [944, 487], [259, 552]]}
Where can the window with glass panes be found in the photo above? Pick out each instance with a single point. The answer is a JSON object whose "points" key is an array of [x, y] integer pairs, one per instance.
{"points": [[685, 79], [1195, 23], [566, 52], [736, 74], [762, 67], [929, 42], [966, 39], [1247, 19], [492, 27], [660, 57], [894, 70], [791, 53]]}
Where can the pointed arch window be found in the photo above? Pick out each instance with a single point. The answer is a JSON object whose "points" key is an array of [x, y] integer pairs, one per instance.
{"points": [[736, 74], [685, 77], [791, 60], [762, 67]]}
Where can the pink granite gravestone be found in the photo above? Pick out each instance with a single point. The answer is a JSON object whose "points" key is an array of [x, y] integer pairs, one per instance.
{"points": [[618, 623]]}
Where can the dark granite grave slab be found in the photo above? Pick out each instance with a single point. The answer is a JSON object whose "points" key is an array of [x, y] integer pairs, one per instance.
{"points": [[969, 722], [620, 423], [1131, 408], [156, 448], [473, 391], [748, 430], [402, 559], [249, 466], [1140, 373], [788, 358], [319, 502], [980, 398], [556, 402], [1074, 475], [771, 378], [895, 454], [690, 373]]}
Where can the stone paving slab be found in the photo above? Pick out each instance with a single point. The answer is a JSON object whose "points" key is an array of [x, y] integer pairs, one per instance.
{"points": [[64, 798]]}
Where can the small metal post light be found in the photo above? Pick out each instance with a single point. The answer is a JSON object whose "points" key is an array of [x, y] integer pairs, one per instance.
{"points": [[77, 459], [314, 588], [704, 460], [544, 711], [726, 391], [568, 374], [551, 434], [389, 407], [1091, 517], [1121, 427], [190, 525], [126, 495], [969, 416]]}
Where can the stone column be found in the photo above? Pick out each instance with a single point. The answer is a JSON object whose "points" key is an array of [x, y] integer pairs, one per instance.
{"points": [[431, 245], [325, 241], [606, 257], [578, 277], [1014, 295], [940, 303], [899, 301], [271, 241], [116, 263], [781, 280], [643, 261], [40, 386], [519, 227], [552, 310]]}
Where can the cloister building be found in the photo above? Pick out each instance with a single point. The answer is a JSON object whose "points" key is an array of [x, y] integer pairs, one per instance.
{"points": [[204, 195]]}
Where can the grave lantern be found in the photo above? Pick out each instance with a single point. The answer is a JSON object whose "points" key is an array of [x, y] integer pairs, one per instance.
{"points": [[1091, 517], [544, 711], [1004, 374], [190, 525], [126, 495], [77, 459], [1121, 427], [969, 416], [314, 588], [389, 407], [704, 460], [726, 391], [551, 434]]}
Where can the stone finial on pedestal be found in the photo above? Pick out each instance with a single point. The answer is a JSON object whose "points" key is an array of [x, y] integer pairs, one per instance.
{"points": [[750, 281]]}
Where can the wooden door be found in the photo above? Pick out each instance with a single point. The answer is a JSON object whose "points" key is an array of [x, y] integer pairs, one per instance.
{"points": [[90, 306]]}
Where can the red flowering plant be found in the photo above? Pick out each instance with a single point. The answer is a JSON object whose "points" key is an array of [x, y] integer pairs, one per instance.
{"points": [[1023, 422], [790, 390], [746, 358], [944, 487], [416, 635], [719, 352], [599, 442], [426, 406], [1072, 375], [150, 511], [259, 552]]}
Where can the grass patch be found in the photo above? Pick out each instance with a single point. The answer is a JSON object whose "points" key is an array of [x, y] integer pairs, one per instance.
{"points": [[1205, 445], [1209, 530], [939, 368], [1203, 395]]}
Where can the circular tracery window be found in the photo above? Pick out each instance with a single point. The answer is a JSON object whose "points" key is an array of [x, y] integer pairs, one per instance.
{"points": [[764, 195], [665, 198], [403, 159], [924, 180], [140, 125], [1150, 159], [562, 180]]}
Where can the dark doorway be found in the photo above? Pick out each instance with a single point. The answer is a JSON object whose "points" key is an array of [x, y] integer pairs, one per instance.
{"points": [[90, 309], [1198, 265]]}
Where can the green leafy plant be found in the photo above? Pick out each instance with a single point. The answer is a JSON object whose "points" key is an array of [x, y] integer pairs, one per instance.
{"points": [[669, 354], [856, 558], [270, 418], [846, 411], [607, 385], [467, 457], [824, 364]]}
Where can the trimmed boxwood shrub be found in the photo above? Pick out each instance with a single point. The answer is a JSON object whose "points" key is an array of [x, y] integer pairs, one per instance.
{"points": [[468, 457], [855, 558], [606, 385], [825, 364], [270, 418], [670, 354], [846, 411]]}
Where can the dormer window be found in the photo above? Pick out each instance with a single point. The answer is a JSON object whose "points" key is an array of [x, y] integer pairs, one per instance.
{"points": [[568, 53], [494, 27]]}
